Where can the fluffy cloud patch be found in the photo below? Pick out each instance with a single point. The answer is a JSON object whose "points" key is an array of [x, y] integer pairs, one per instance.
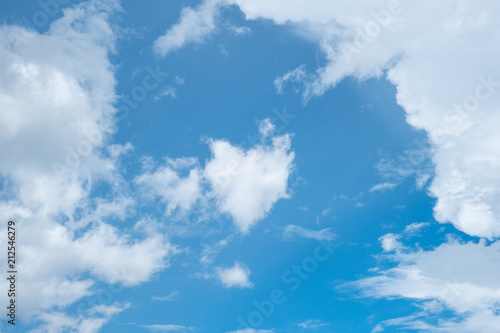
{"points": [[237, 276], [247, 183], [58, 92], [194, 25], [90, 322], [242, 183], [178, 193], [390, 242], [456, 276]]}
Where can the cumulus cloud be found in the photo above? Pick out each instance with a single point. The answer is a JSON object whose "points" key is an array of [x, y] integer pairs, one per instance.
{"points": [[443, 65], [178, 193], [242, 183], [247, 183], [323, 234], [90, 322], [456, 276], [66, 110], [237, 276], [61, 265], [390, 242], [57, 94]]}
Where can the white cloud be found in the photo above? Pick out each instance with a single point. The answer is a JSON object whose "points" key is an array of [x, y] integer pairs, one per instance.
{"points": [[90, 322], [236, 276], [179, 80], [194, 25], [243, 183], [247, 183], [456, 276], [266, 127], [58, 92], [415, 227], [118, 259], [60, 268], [169, 91], [172, 296], [313, 323], [390, 242], [209, 252], [323, 234], [446, 87], [177, 192], [59, 88], [239, 31], [252, 330], [383, 187], [168, 328], [442, 59], [415, 163], [297, 75]]}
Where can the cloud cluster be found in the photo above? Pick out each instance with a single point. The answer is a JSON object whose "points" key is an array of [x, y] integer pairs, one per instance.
{"points": [[57, 94], [444, 68], [242, 183], [466, 285], [91, 322], [442, 59]]}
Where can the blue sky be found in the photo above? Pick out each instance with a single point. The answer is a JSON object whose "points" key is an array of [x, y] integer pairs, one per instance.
{"points": [[243, 166]]}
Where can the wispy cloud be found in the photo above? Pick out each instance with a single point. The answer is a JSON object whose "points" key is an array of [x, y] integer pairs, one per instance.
{"points": [[171, 297], [323, 234], [209, 252], [252, 330], [168, 91], [297, 76], [383, 187], [466, 288], [313, 323], [194, 25], [168, 328]]}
